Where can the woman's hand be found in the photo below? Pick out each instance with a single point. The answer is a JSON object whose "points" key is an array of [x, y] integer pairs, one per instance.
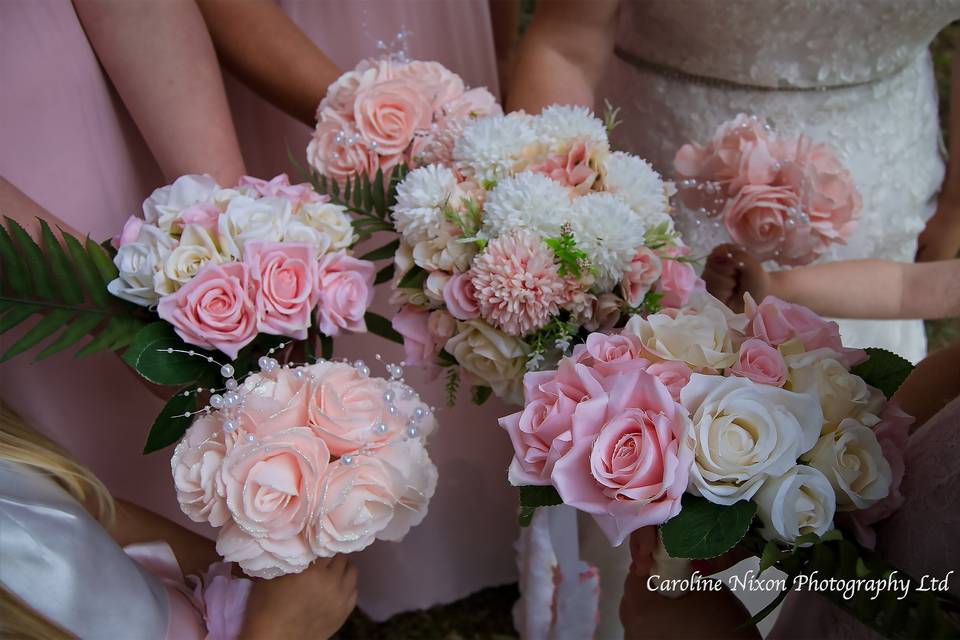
{"points": [[940, 239], [311, 605], [731, 272]]}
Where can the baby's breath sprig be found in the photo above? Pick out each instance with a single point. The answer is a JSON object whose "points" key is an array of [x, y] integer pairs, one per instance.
{"points": [[611, 117], [468, 222], [660, 236], [555, 335], [572, 259]]}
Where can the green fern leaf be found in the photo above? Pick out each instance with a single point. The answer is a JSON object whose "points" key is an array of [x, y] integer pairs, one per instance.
{"points": [[386, 251], [367, 201], [101, 260], [322, 184], [36, 265], [385, 274], [96, 289], [102, 341], [378, 200], [13, 317], [335, 190], [13, 267], [347, 190], [38, 332], [80, 327], [64, 276]]}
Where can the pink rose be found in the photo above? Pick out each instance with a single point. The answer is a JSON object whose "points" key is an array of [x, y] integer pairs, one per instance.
{"points": [[285, 275], [338, 151], [460, 296], [263, 557], [677, 278], [273, 402], [416, 481], [760, 218], [643, 272], [389, 113], [540, 434], [571, 169], [203, 214], [775, 322], [631, 454], [474, 103], [434, 81], [344, 292], [892, 432], [442, 325], [214, 309], [761, 363], [609, 354], [280, 187], [419, 347], [344, 406], [672, 374], [129, 233], [605, 312], [196, 467]]}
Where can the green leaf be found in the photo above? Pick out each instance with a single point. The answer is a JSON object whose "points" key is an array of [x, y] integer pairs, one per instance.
{"points": [[705, 530], [386, 251], [413, 279], [481, 394], [358, 186], [46, 327], [770, 556], [101, 260], [169, 427], [385, 274], [378, 198], [72, 334], [36, 265], [13, 268], [532, 497], [64, 276], [445, 358], [96, 287], [378, 325], [148, 355], [15, 316], [884, 370], [326, 347]]}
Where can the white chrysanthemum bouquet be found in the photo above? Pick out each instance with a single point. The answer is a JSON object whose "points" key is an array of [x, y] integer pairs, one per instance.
{"points": [[535, 232]]}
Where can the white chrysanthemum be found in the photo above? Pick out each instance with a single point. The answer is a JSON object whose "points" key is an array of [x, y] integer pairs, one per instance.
{"points": [[558, 125], [490, 148], [526, 201], [609, 232], [421, 196], [639, 185]]}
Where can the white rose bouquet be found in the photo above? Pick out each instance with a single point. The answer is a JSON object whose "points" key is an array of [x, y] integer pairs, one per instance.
{"points": [[758, 429]]}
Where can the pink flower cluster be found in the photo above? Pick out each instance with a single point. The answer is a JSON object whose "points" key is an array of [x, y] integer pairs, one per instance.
{"points": [[309, 462], [783, 199], [388, 112]]}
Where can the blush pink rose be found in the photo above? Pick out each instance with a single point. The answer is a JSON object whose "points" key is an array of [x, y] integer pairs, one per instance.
{"points": [[761, 363], [129, 233], [609, 354], [571, 169], [775, 322], [759, 219], [629, 462], [214, 309], [273, 402], [442, 325], [460, 296], [343, 294], [672, 374], [196, 467], [643, 272], [338, 151], [419, 347], [263, 557], [203, 214], [678, 280], [434, 80], [388, 114], [280, 187], [285, 276]]}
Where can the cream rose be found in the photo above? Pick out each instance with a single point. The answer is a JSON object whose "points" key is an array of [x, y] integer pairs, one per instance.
{"points": [[140, 266], [852, 460], [445, 253], [165, 204], [197, 247], [800, 501], [493, 357], [246, 219], [699, 338], [434, 285], [745, 434], [330, 219], [820, 373]]}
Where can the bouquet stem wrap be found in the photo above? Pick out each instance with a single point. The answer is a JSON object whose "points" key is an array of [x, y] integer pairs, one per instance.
{"points": [[666, 568]]}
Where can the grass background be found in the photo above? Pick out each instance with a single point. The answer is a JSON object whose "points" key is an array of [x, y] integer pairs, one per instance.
{"points": [[486, 615]]}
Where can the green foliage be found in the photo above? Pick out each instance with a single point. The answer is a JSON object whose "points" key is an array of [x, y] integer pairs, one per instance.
{"points": [[170, 425], [884, 370], [386, 251], [550, 337], [532, 497], [413, 279], [452, 385], [704, 530], [659, 236], [565, 250], [64, 285], [155, 353], [481, 394], [611, 117], [467, 222], [378, 325]]}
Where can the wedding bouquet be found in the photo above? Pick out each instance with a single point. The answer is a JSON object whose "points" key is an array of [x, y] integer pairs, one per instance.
{"points": [[759, 429], [536, 233], [781, 199], [302, 462]]}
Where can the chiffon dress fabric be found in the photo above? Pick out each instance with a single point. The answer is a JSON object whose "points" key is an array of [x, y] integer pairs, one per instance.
{"points": [[466, 541]]}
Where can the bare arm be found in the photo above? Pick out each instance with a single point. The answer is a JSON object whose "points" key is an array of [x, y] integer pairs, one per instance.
{"points": [[263, 47], [563, 54], [159, 57], [931, 385], [19, 206]]}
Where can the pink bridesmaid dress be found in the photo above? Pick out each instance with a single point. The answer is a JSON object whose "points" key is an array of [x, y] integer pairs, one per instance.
{"points": [[68, 143], [466, 541]]}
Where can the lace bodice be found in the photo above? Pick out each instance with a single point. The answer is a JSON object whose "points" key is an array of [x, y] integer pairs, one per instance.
{"points": [[777, 43]]}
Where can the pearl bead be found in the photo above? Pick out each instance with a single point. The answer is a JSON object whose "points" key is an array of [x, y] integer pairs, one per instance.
{"points": [[413, 431], [263, 362], [232, 384], [216, 401], [299, 373], [392, 409], [419, 413], [380, 428], [230, 426], [389, 395], [364, 371], [227, 371], [346, 459], [251, 437], [231, 399]]}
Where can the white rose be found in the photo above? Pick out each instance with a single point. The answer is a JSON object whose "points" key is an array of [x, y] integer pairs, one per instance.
{"points": [[140, 265], [403, 263], [433, 287], [298, 231], [416, 481], [699, 338], [445, 253], [819, 373], [196, 249], [800, 501], [745, 433], [331, 219], [165, 204], [246, 220], [495, 358], [851, 459]]}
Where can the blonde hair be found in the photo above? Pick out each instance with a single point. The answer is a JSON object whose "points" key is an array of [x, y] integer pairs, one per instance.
{"points": [[19, 443]]}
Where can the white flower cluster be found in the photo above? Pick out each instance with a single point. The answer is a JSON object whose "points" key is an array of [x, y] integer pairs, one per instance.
{"points": [[195, 221]]}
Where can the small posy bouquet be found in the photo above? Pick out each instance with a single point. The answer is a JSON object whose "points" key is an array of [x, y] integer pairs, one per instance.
{"points": [[781, 199], [723, 429], [536, 233], [296, 463]]}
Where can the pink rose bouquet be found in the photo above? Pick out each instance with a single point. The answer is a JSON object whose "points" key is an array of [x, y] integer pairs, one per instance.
{"points": [[757, 429], [783, 199], [302, 462], [534, 235]]}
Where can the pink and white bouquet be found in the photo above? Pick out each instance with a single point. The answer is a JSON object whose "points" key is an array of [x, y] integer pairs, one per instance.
{"points": [[223, 265], [782, 199], [390, 112], [296, 463], [536, 233]]}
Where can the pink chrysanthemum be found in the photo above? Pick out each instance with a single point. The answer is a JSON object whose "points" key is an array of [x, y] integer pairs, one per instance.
{"points": [[518, 284]]}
